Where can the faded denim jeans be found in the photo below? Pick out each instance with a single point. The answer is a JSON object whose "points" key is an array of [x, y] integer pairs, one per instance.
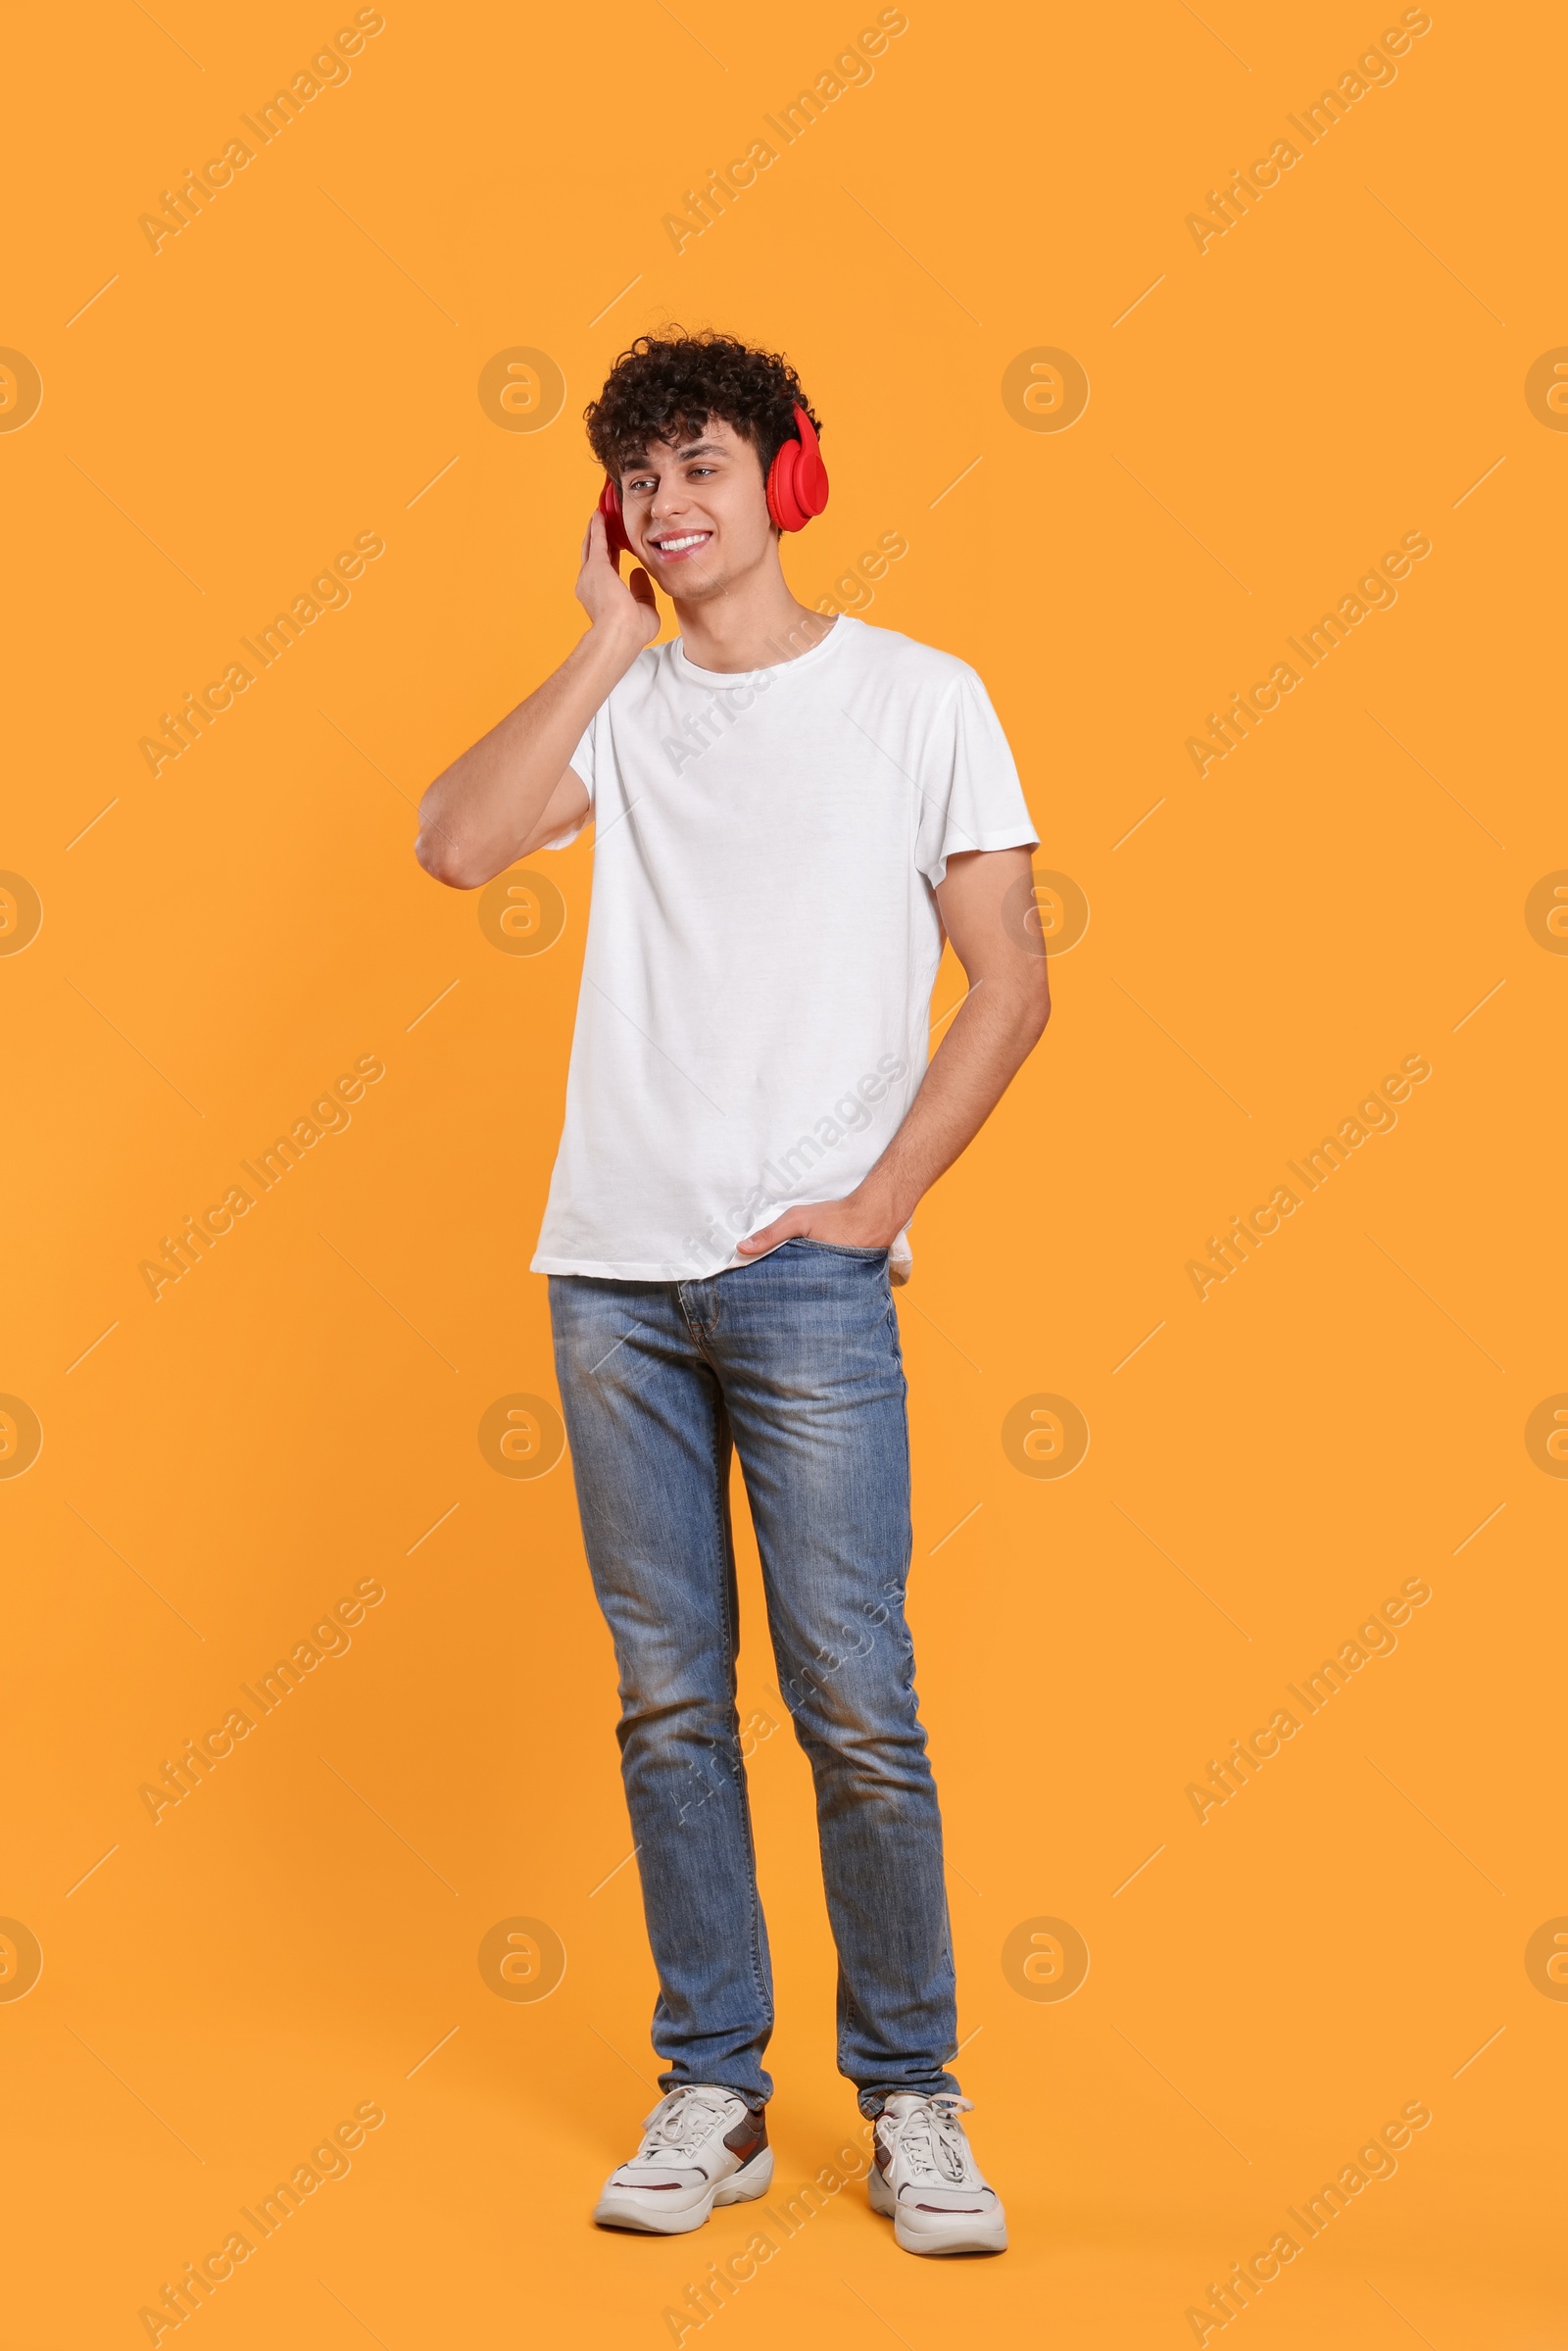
{"points": [[795, 1361]]}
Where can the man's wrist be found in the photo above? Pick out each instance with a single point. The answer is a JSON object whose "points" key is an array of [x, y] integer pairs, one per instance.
{"points": [[617, 640], [884, 1203]]}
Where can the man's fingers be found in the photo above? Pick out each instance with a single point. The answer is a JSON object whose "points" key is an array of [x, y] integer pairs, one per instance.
{"points": [[769, 1236], [596, 546]]}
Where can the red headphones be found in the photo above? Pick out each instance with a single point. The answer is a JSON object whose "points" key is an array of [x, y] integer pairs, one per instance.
{"points": [[797, 488]]}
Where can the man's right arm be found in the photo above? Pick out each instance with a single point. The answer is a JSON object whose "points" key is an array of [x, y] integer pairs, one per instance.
{"points": [[515, 787]]}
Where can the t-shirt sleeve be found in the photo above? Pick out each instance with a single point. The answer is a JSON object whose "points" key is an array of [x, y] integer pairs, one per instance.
{"points": [[970, 796], [581, 762]]}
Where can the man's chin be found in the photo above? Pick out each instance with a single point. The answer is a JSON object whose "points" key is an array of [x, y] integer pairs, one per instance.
{"points": [[686, 584]]}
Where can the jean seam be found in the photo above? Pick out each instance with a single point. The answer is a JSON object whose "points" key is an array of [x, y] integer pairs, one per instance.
{"points": [[849, 2019], [732, 1642], [895, 1334]]}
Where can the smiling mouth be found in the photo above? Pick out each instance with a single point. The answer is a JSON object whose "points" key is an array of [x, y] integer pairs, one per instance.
{"points": [[672, 550]]}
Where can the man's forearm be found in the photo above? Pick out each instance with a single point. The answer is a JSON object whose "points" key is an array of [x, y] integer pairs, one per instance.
{"points": [[997, 1024], [476, 816], [993, 1034]]}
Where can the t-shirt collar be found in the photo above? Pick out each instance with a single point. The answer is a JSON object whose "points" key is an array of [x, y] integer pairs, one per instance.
{"points": [[688, 668]]}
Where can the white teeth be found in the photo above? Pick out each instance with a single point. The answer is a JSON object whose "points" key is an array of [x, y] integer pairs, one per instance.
{"points": [[674, 546]]}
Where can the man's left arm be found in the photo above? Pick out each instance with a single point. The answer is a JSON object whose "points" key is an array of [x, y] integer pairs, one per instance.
{"points": [[997, 1024]]}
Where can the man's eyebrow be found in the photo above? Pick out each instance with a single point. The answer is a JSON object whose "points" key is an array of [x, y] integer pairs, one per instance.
{"points": [[697, 449]]}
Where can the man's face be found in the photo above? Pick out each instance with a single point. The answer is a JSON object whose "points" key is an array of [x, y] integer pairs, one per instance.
{"points": [[696, 513]]}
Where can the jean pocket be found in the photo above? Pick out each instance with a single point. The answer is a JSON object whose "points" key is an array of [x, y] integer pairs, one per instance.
{"points": [[835, 1249]]}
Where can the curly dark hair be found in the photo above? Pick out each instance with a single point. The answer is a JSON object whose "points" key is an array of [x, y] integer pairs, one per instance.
{"points": [[669, 385]]}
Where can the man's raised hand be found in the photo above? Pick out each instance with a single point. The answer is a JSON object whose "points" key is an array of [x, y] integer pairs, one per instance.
{"points": [[609, 602]]}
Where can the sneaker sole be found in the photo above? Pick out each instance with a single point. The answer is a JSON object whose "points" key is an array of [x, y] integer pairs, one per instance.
{"points": [[958, 2236], [621, 2211]]}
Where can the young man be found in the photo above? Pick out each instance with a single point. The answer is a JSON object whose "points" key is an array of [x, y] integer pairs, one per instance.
{"points": [[790, 810]]}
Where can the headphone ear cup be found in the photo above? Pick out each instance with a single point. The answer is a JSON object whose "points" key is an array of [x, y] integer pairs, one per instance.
{"points": [[797, 480], [811, 474], [614, 521], [781, 487]]}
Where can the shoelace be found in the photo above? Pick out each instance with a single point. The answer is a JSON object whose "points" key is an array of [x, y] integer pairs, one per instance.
{"points": [[932, 2137], [679, 2121]]}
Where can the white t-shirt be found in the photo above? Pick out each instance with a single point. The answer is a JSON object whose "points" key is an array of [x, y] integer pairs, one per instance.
{"points": [[762, 938]]}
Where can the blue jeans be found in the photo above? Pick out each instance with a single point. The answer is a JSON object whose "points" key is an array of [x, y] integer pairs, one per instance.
{"points": [[795, 1361]]}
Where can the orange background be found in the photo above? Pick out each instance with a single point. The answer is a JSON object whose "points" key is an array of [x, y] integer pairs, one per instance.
{"points": [[294, 1416]]}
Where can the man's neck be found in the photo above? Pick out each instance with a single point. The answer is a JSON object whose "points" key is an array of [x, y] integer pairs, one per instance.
{"points": [[754, 625]]}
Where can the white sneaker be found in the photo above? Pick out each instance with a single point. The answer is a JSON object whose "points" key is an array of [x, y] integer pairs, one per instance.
{"points": [[702, 2146], [926, 2176]]}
